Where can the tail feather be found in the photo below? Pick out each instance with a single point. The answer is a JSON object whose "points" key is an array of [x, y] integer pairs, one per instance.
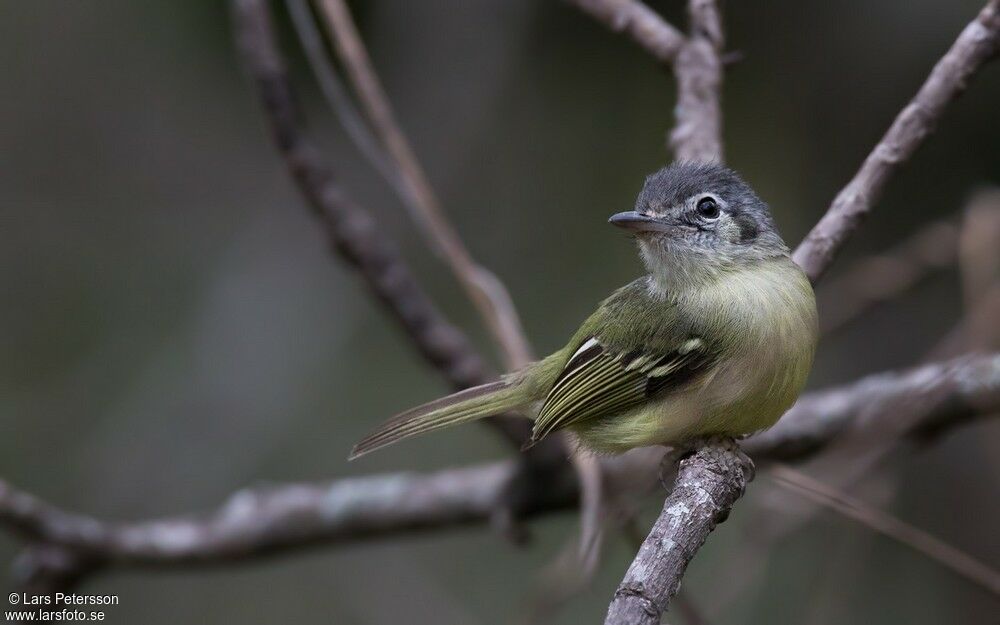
{"points": [[468, 405]]}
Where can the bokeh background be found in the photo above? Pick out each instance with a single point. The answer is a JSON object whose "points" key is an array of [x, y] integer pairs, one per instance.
{"points": [[174, 328]]}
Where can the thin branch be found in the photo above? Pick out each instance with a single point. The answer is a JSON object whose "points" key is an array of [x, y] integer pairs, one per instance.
{"points": [[640, 23], [696, 61], [273, 520], [484, 289], [977, 44], [708, 484], [337, 95], [351, 230], [947, 392], [889, 526]]}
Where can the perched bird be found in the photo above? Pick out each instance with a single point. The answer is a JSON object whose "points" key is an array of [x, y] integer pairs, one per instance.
{"points": [[716, 340]]}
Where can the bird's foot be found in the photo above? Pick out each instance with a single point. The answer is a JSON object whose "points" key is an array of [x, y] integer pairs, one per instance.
{"points": [[725, 445]]}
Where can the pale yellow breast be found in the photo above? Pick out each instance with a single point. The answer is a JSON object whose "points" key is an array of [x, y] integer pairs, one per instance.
{"points": [[769, 316], [767, 325]]}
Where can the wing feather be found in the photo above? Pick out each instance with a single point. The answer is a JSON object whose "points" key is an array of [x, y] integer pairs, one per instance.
{"points": [[599, 381]]}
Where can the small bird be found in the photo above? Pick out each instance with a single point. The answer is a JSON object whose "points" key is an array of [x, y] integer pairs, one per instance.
{"points": [[717, 339]]}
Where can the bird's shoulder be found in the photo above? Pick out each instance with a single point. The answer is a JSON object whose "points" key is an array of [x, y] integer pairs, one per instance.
{"points": [[634, 348], [635, 317]]}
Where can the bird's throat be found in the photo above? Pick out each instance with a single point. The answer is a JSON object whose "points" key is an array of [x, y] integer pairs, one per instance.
{"points": [[675, 269]]}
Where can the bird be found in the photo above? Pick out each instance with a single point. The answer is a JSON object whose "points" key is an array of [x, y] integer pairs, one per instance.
{"points": [[717, 339]]}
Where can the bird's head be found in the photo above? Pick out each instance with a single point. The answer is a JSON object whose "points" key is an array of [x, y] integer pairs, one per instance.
{"points": [[700, 218]]}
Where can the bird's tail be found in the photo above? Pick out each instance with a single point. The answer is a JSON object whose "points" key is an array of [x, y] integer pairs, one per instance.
{"points": [[468, 405]]}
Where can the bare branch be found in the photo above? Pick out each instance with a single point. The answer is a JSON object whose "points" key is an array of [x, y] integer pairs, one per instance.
{"points": [[697, 65], [890, 526], [485, 290], [268, 520], [337, 96], [948, 392], [282, 518], [697, 133], [708, 484], [351, 230], [977, 44], [642, 24]]}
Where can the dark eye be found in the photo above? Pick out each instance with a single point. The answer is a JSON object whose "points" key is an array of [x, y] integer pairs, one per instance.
{"points": [[708, 208]]}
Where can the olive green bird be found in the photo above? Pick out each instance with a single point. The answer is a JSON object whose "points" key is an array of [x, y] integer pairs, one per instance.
{"points": [[716, 340]]}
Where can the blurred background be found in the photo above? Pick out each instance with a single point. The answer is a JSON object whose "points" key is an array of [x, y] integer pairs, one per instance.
{"points": [[174, 328]]}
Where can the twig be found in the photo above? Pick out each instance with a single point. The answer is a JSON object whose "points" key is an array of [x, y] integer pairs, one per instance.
{"points": [[886, 275], [708, 484], [643, 25], [336, 94], [696, 60], [352, 232], [977, 44], [485, 290], [890, 526], [945, 391], [288, 517]]}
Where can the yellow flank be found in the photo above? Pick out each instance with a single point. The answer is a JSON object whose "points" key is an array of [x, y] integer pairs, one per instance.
{"points": [[768, 314]]}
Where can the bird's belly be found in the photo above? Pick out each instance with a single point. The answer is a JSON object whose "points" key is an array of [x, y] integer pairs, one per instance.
{"points": [[745, 394], [741, 398]]}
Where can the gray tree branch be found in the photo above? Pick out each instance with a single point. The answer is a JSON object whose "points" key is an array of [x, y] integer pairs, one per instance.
{"points": [[487, 293], [708, 484], [353, 233], [977, 44], [697, 132], [642, 24], [265, 521]]}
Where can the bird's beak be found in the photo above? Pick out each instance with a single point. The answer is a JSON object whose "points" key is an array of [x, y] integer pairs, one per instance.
{"points": [[637, 222]]}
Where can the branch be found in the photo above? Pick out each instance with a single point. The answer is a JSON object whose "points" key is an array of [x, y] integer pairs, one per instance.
{"points": [[948, 393], [351, 230], [337, 96], [272, 520], [643, 25], [484, 289], [708, 484], [697, 65], [917, 539], [697, 133], [976, 44]]}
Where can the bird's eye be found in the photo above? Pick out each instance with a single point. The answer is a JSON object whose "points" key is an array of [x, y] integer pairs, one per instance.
{"points": [[708, 208]]}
